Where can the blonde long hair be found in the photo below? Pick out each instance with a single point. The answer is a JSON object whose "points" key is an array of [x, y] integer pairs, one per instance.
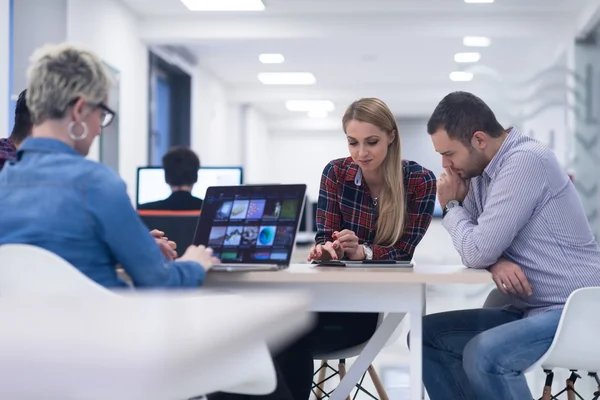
{"points": [[390, 223]]}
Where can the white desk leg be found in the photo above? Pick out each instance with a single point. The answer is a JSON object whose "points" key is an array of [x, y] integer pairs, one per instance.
{"points": [[416, 346], [366, 357]]}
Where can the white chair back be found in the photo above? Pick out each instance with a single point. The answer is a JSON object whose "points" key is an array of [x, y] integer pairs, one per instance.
{"points": [[30, 270], [27, 271], [575, 345]]}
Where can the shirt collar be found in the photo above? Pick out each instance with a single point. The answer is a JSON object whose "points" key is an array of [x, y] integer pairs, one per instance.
{"points": [[46, 145], [492, 168], [353, 173]]}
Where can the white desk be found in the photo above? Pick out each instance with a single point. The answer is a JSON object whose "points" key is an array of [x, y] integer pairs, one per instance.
{"points": [[143, 346], [385, 290]]}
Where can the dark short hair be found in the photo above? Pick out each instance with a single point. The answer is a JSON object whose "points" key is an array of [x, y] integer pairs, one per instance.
{"points": [[461, 114], [22, 127], [181, 166]]}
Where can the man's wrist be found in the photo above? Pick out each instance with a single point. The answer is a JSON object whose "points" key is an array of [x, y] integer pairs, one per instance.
{"points": [[450, 205]]}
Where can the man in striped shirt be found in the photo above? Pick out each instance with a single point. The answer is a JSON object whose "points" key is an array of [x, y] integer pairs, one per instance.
{"points": [[509, 208]]}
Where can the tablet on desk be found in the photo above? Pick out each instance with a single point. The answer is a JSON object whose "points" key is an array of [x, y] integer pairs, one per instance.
{"points": [[366, 264], [378, 264]]}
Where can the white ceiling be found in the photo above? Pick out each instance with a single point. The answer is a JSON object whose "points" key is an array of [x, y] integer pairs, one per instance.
{"points": [[399, 50]]}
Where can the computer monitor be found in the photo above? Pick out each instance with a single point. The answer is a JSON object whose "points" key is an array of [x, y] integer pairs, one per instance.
{"points": [[151, 185]]}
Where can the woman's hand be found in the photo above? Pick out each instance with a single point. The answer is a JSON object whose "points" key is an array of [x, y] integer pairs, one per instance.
{"points": [[202, 255], [349, 244], [167, 247], [327, 251]]}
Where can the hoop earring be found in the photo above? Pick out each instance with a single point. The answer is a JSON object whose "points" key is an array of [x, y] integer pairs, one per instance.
{"points": [[72, 135]]}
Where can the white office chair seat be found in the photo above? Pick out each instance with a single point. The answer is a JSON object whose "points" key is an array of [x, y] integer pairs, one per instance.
{"points": [[30, 270], [350, 353], [27, 271], [575, 345]]}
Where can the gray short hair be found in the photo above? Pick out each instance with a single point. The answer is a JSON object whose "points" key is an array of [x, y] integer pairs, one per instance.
{"points": [[60, 74]]}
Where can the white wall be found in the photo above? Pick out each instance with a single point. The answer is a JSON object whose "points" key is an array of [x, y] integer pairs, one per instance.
{"points": [[226, 133], [257, 150], [553, 119], [4, 66], [216, 123], [110, 30], [299, 157]]}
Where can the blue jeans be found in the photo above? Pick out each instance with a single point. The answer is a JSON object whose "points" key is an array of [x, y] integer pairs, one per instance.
{"points": [[482, 354]]}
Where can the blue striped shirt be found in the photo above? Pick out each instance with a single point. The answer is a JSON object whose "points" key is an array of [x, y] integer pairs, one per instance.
{"points": [[525, 208]]}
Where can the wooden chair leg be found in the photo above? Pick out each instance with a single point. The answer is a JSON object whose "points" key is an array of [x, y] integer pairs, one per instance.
{"points": [[570, 390], [320, 389], [547, 393], [342, 372], [377, 383]]}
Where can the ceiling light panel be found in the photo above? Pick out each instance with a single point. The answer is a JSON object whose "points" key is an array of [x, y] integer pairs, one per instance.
{"points": [[467, 57], [461, 76], [476, 41], [273, 58], [224, 5]]}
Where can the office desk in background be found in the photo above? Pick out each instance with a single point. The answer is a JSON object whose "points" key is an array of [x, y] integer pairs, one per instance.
{"points": [[392, 291]]}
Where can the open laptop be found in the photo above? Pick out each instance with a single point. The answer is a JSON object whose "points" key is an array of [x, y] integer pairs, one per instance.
{"points": [[251, 227]]}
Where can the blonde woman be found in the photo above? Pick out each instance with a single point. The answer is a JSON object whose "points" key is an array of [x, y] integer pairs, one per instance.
{"points": [[54, 198], [372, 205]]}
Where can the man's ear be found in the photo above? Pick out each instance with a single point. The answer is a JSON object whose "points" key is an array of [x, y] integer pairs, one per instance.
{"points": [[479, 140]]}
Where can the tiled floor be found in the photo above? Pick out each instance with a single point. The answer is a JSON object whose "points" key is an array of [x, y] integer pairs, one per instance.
{"points": [[392, 363]]}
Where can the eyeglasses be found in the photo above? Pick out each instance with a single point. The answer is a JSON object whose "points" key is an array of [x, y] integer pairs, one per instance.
{"points": [[107, 115]]}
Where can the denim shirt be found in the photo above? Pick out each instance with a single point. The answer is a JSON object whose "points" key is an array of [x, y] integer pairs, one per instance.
{"points": [[54, 198]]}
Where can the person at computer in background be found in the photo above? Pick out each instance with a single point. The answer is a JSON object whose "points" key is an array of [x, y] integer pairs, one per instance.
{"points": [[181, 173], [21, 130], [510, 208], [54, 198], [372, 205]]}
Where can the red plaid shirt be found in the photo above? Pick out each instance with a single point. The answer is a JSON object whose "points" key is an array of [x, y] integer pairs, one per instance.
{"points": [[344, 204], [8, 151]]}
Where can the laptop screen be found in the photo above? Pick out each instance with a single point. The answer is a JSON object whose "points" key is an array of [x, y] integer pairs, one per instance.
{"points": [[254, 224]]}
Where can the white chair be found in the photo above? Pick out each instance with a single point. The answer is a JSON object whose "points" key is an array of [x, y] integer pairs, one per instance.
{"points": [[27, 271], [575, 346], [342, 355]]}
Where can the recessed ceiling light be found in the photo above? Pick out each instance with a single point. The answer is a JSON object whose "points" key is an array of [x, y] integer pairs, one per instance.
{"points": [[224, 5], [467, 57], [476, 41], [320, 114], [479, 1], [271, 58], [310, 105], [461, 76], [287, 78]]}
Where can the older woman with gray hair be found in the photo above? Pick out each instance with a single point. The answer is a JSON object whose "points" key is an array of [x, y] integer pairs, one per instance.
{"points": [[54, 198]]}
